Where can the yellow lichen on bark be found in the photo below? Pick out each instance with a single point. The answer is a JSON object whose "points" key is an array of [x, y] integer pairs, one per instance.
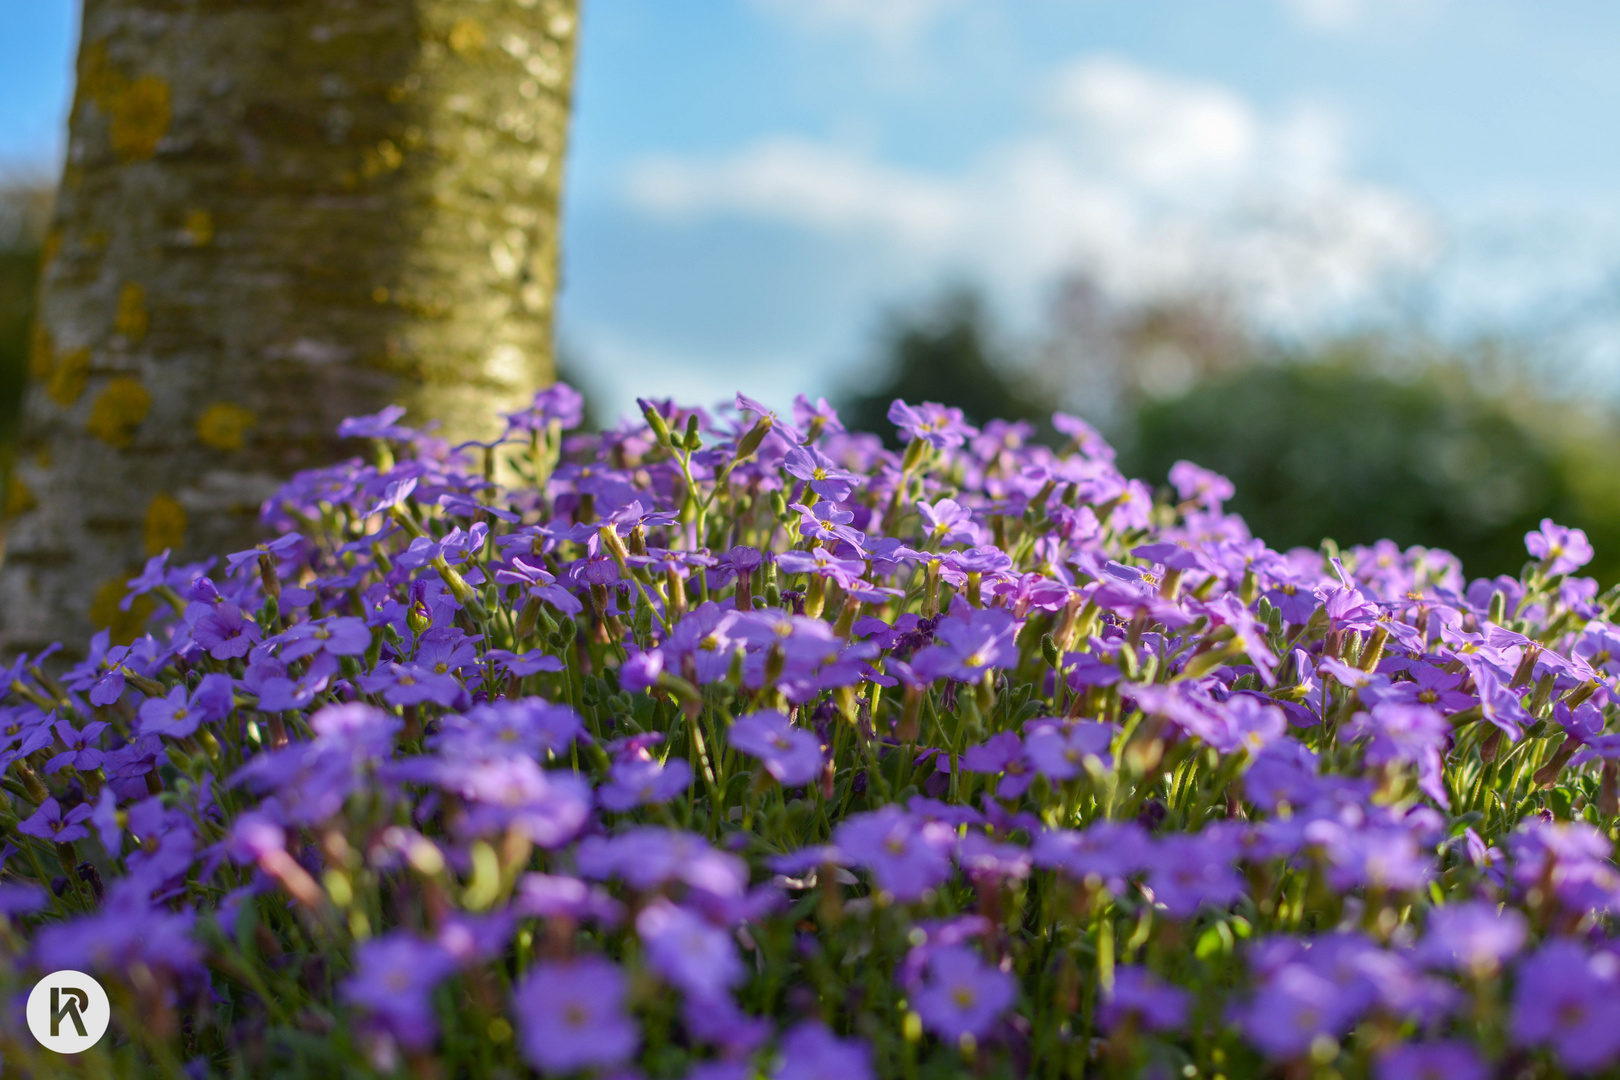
{"points": [[224, 426], [467, 36], [140, 118], [165, 524], [19, 497], [68, 377], [107, 613], [139, 111], [131, 320], [118, 410], [41, 353], [200, 228]]}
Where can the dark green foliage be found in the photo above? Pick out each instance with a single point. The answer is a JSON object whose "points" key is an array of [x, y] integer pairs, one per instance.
{"points": [[1331, 449], [19, 267], [948, 356], [19, 271]]}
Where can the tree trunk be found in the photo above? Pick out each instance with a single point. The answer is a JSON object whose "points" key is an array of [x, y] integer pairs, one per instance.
{"points": [[275, 214]]}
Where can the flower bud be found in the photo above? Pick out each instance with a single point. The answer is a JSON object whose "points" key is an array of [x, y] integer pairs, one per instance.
{"points": [[614, 544], [751, 441], [655, 420]]}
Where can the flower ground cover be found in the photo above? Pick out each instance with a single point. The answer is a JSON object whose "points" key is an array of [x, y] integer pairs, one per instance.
{"points": [[727, 745]]}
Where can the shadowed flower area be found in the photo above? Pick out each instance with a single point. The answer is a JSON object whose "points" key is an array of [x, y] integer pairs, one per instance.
{"points": [[728, 743]]}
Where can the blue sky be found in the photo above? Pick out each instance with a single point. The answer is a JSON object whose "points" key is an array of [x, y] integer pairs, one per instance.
{"points": [[754, 182]]}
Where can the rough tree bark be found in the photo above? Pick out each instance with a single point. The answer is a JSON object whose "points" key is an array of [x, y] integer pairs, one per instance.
{"points": [[274, 214]]}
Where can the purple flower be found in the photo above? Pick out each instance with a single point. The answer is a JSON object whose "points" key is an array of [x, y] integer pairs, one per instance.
{"points": [[571, 1016], [393, 981], [648, 857], [340, 636], [644, 782], [906, 856], [20, 898], [818, 419], [1058, 750], [179, 714], [549, 896], [1001, 753], [525, 726], [126, 931], [411, 684], [1431, 1061], [640, 672], [962, 995], [476, 939], [1473, 937], [687, 951], [50, 824], [822, 563], [513, 793], [1293, 1008], [104, 817], [558, 402], [1139, 993], [970, 646], [939, 426], [1569, 1000], [393, 495], [280, 548], [792, 755], [947, 522], [811, 1052], [1562, 550], [1189, 871], [277, 693], [541, 583], [378, 425], [1413, 734], [1108, 849], [522, 665], [1195, 484], [79, 753], [225, 632], [822, 475], [824, 523]]}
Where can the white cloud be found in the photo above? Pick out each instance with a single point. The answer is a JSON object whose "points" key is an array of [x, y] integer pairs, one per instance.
{"points": [[1156, 130], [890, 22], [802, 182], [1153, 184], [1326, 14], [1338, 16]]}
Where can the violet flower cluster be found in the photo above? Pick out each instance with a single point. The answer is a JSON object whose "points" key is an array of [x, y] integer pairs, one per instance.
{"points": [[732, 744]]}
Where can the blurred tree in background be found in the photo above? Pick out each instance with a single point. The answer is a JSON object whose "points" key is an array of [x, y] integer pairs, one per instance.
{"points": [[1329, 445], [1382, 434], [24, 214], [948, 352]]}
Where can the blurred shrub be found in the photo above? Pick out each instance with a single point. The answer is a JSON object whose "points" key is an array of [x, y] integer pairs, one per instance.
{"points": [[1353, 439], [947, 353], [24, 212], [1330, 446], [19, 269]]}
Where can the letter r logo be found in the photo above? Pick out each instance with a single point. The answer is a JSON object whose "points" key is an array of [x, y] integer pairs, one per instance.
{"points": [[77, 1002], [68, 1012]]}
